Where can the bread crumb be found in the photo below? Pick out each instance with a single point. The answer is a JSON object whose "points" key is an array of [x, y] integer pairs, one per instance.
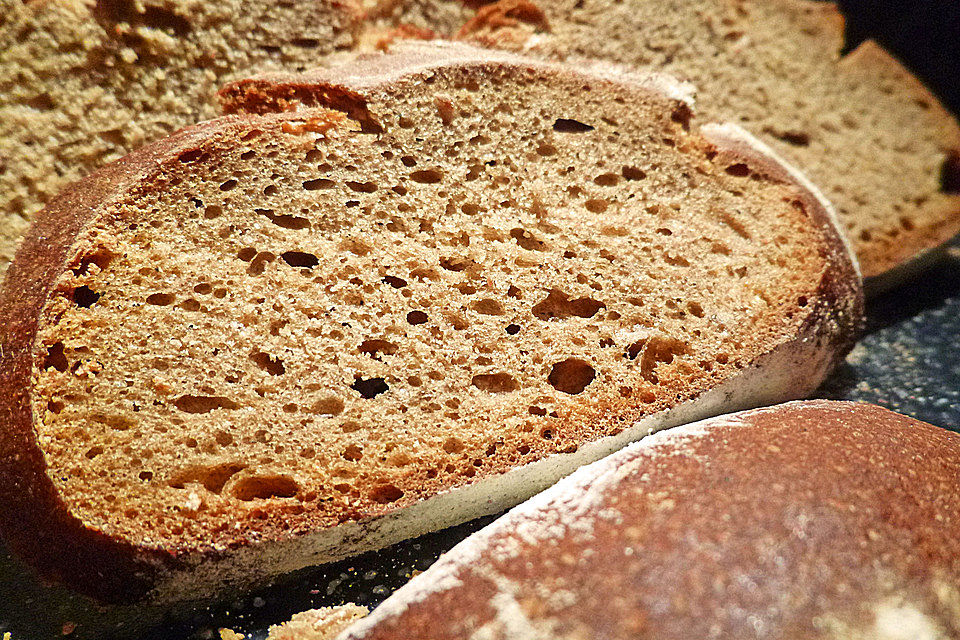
{"points": [[230, 634], [318, 624]]}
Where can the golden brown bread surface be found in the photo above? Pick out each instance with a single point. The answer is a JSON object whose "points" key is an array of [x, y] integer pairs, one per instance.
{"points": [[83, 82], [815, 521], [276, 339], [869, 134]]}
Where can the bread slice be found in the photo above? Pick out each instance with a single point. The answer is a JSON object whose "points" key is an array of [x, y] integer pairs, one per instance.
{"points": [[869, 134], [84, 82], [806, 520], [275, 340]]}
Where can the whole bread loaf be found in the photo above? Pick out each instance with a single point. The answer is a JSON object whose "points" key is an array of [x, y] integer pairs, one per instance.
{"points": [[275, 340], [805, 521], [82, 82], [861, 126]]}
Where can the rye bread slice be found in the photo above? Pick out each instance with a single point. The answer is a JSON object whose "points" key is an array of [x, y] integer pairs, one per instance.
{"points": [[807, 520], [877, 142], [83, 82], [275, 340]]}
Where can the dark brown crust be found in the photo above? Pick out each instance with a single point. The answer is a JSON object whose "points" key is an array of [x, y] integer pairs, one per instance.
{"points": [[33, 519], [839, 300], [790, 518]]}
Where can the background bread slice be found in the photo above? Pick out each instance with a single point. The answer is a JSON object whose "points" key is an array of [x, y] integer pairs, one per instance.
{"points": [[274, 340], [84, 82], [806, 520], [878, 143]]}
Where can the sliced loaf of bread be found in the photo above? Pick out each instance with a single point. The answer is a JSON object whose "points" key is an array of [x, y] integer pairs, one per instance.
{"points": [[83, 82], [862, 127], [274, 340], [802, 521]]}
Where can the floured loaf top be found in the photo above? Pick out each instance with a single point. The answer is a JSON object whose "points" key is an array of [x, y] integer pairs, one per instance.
{"points": [[270, 327], [812, 520]]}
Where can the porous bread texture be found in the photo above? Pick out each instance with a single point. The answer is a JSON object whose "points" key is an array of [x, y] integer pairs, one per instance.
{"points": [[878, 143], [809, 520], [84, 82], [318, 624], [269, 331]]}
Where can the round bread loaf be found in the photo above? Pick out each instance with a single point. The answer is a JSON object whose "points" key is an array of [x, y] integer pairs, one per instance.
{"points": [[806, 520]]}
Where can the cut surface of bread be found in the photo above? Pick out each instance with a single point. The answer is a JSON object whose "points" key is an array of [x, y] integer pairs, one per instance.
{"points": [[272, 340], [83, 82], [809, 520], [869, 134]]}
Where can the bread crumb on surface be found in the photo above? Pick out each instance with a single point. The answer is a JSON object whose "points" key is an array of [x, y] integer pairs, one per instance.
{"points": [[318, 624]]}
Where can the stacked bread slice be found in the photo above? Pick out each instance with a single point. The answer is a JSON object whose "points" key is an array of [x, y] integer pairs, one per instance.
{"points": [[805, 520], [862, 127], [83, 83], [427, 287]]}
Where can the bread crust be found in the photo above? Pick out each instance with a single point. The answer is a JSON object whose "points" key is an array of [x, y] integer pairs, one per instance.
{"points": [[798, 519], [175, 572]]}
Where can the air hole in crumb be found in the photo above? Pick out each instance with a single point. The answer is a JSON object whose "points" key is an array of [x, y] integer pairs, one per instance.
{"points": [[247, 254], [93, 452], [546, 149], [352, 453], [571, 375], [319, 183], [300, 259], [203, 404], [455, 263], [369, 387], [56, 358], [160, 299], [374, 348], [487, 306], [739, 170], [607, 179], [395, 282], [632, 173], [266, 362], [284, 221], [329, 406], [427, 176], [566, 125], [265, 486], [528, 241], [212, 477], [596, 205], [558, 304], [229, 185], [495, 382], [100, 259], [513, 329], [85, 297], [386, 493], [362, 187], [416, 317], [453, 445], [802, 301]]}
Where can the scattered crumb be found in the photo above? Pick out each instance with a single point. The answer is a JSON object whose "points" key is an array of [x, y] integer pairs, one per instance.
{"points": [[318, 624], [230, 634]]}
